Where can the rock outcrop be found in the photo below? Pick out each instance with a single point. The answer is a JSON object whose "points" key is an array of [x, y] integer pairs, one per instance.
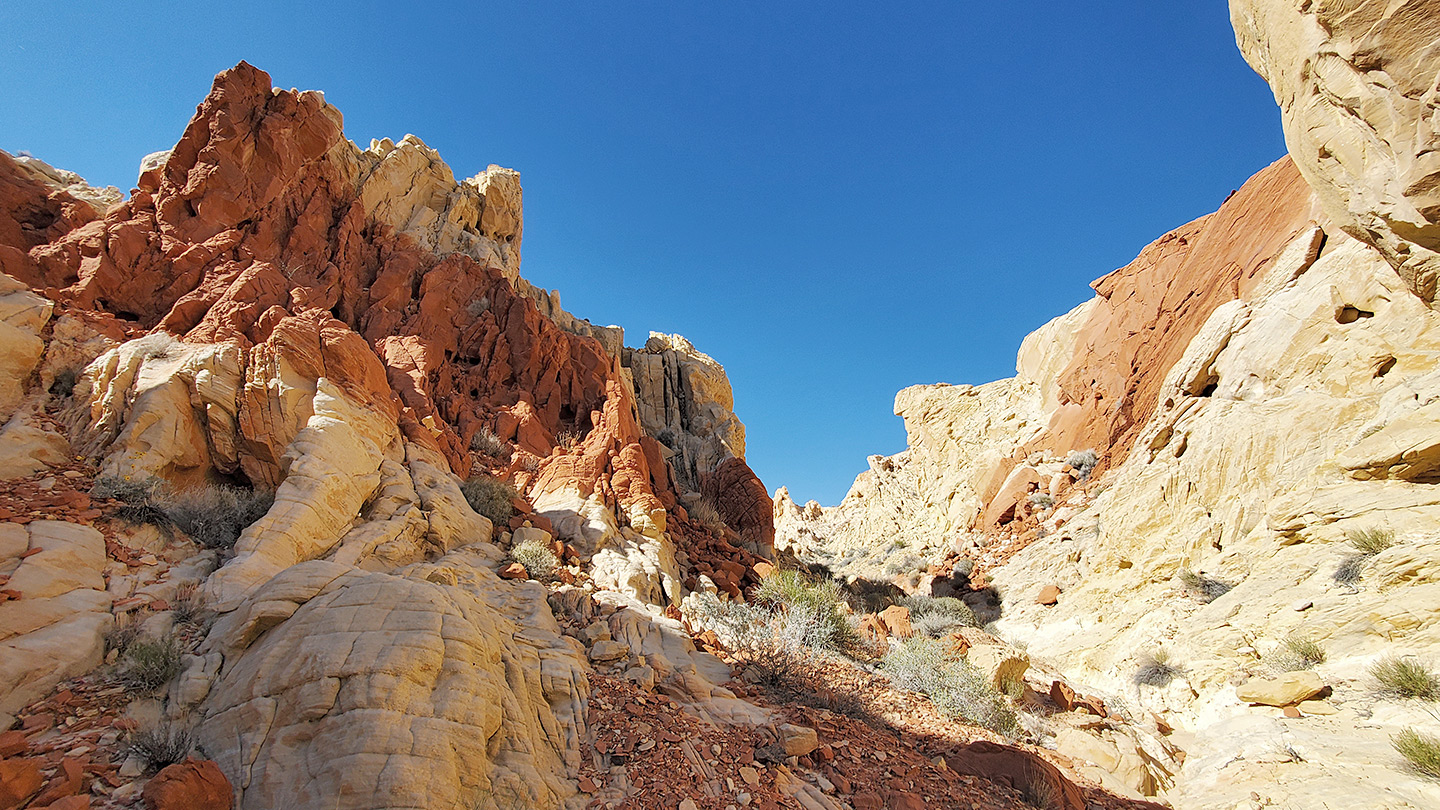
{"points": [[274, 308], [1355, 82], [1256, 388]]}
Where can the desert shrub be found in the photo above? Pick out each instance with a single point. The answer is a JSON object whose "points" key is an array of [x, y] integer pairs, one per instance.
{"points": [[214, 515], [935, 616], [568, 438], [1083, 462], [490, 497], [955, 687], [1202, 588], [1371, 541], [63, 385], [1405, 678], [486, 443], [1157, 669], [1421, 751], [1040, 501], [140, 498], [148, 664], [775, 644], [123, 633], [819, 599], [539, 561], [1296, 653], [162, 745], [188, 606], [478, 306], [1368, 542], [1349, 570], [704, 513]]}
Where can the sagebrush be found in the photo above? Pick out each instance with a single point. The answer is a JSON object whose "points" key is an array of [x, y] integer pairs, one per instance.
{"points": [[1083, 462], [1405, 678], [956, 688], [537, 558], [935, 616], [215, 515], [148, 664], [491, 497], [486, 443], [788, 589]]}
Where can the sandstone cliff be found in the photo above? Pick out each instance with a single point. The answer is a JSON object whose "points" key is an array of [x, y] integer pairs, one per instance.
{"points": [[274, 308], [1254, 386]]}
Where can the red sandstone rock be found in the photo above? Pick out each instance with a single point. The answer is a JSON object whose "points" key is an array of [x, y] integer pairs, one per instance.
{"points": [[897, 621], [1016, 769], [67, 803], [1049, 595], [190, 785], [20, 779], [514, 571], [1155, 305], [743, 503]]}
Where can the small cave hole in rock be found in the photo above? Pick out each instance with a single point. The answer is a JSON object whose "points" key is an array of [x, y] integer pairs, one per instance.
{"points": [[1385, 367], [1349, 314]]}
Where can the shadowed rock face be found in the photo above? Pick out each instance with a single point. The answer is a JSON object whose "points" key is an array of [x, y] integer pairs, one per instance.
{"points": [[1356, 85]]}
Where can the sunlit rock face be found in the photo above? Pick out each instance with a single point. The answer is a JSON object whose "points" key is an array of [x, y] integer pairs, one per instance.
{"points": [[1356, 85], [274, 307]]}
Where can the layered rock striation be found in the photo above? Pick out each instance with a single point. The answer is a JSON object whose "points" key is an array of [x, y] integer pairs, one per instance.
{"points": [[1255, 387], [274, 308]]}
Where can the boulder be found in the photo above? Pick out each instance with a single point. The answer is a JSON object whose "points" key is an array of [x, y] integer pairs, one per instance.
{"points": [[896, 620], [1283, 690], [1001, 665], [20, 779], [190, 785], [798, 740]]}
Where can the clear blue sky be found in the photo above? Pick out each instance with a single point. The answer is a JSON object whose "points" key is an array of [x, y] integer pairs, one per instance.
{"points": [[834, 199]]}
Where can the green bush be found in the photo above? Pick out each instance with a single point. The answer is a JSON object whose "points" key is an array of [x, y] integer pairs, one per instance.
{"points": [[1371, 541], [1296, 653], [490, 497], [1405, 678], [792, 590], [148, 664], [539, 561], [956, 688], [1368, 542], [935, 616], [1157, 669], [215, 515], [1422, 751]]}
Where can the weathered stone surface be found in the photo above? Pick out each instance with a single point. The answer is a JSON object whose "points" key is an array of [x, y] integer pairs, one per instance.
{"points": [[55, 631], [190, 785], [798, 740], [686, 403], [1282, 690], [485, 690], [1355, 82]]}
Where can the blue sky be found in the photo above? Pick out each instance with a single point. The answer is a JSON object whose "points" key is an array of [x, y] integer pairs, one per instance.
{"points": [[835, 200]]}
